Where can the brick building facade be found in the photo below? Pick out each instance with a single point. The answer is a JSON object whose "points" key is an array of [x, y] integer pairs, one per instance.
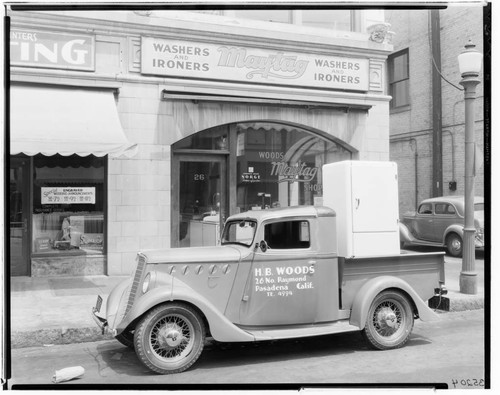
{"points": [[411, 125]]}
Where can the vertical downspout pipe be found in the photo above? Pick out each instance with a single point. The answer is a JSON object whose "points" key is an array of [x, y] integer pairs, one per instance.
{"points": [[416, 172], [437, 138]]}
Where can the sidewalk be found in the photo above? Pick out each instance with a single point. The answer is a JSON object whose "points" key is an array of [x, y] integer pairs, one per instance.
{"points": [[47, 311]]}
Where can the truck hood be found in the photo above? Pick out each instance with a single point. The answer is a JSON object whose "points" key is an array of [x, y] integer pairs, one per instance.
{"points": [[194, 255]]}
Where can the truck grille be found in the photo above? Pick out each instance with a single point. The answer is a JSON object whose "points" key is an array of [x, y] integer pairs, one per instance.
{"points": [[141, 264]]}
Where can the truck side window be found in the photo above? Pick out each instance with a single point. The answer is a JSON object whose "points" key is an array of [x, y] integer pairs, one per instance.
{"points": [[287, 235]]}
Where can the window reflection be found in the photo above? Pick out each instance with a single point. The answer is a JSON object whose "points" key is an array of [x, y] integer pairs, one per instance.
{"points": [[280, 165]]}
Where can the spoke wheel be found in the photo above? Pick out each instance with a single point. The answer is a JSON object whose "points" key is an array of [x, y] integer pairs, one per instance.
{"points": [[389, 322], [170, 338]]}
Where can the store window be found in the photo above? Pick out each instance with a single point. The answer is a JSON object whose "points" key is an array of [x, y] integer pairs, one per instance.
{"points": [[399, 80], [280, 165], [68, 205], [241, 167]]}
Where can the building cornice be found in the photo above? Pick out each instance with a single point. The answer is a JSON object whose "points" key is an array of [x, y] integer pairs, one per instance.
{"points": [[234, 31]]}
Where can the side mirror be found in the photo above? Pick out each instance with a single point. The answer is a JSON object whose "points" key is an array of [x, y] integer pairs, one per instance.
{"points": [[263, 246]]}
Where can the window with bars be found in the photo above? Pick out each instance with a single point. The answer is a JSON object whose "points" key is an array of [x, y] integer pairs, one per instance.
{"points": [[399, 79], [335, 19]]}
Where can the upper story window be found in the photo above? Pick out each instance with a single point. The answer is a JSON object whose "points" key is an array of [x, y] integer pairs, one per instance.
{"points": [[341, 19], [268, 15], [399, 79], [328, 19]]}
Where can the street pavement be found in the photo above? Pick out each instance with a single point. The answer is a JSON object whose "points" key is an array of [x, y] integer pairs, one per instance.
{"points": [[448, 352], [57, 310]]}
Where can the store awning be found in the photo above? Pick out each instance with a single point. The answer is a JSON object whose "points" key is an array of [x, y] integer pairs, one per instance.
{"points": [[66, 121]]}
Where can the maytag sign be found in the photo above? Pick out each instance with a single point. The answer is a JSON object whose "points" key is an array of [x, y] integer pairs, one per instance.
{"points": [[243, 64], [35, 48]]}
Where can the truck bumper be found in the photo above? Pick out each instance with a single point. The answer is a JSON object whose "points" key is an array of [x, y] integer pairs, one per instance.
{"points": [[101, 322]]}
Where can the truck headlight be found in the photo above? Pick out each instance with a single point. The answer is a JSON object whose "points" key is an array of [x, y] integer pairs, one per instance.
{"points": [[146, 282]]}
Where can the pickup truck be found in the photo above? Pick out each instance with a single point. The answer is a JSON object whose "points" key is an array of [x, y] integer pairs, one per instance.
{"points": [[275, 275]]}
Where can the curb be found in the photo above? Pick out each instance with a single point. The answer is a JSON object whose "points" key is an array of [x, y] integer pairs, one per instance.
{"points": [[59, 336], [463, 302], [50, 337]]}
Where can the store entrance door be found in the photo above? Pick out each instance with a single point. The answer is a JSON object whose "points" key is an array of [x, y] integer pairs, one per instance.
{"points": [[199, 199], [19, 216]]}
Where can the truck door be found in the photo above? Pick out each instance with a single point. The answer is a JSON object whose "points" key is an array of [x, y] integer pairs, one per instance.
{"points": [[282, 286]]}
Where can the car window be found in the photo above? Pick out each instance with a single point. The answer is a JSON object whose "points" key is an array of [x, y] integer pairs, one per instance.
{"points": [[444, 209], [479, 207], [287, 234], [425, 208]]}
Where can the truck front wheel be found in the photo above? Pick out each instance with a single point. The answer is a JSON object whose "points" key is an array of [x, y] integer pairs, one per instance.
{"points": [[170, 338], [390, 321]]}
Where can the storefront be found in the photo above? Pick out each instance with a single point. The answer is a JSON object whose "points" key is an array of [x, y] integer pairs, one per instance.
{"points": [[148, 134], [59, 147]]}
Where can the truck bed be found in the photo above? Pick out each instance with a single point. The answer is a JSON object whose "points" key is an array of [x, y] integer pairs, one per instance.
{"points": [[422, 271]]}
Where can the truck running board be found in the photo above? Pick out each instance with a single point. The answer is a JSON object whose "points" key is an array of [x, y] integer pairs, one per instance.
{"points": [[290, 332]]}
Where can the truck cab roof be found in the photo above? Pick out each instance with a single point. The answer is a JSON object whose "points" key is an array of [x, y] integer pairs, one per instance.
{"points": [[285, 212]]}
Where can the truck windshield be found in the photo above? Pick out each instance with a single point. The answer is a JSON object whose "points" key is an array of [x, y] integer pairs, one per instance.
{"points": [[239, 232]]}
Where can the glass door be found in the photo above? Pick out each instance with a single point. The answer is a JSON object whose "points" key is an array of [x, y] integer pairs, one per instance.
{"points": [[199, 200], [19, 181]]}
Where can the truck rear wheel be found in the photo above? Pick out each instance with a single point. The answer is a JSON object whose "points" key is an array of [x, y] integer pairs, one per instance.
{"points": [[389, 322], [170, 338]]}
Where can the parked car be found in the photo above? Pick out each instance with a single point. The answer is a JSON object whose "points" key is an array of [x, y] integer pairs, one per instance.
{"points": [[439, 222]]}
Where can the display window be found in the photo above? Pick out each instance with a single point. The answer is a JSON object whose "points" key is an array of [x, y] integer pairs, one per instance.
{"points": [[280, 165], [68, 205], [241, 167]]}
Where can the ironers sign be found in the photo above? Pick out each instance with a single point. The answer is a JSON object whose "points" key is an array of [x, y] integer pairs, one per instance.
{"points": [[167, 57]]}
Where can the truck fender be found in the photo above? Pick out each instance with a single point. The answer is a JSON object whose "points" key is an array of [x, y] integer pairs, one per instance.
{"points": [[373, 287], [170, 289], [405, 236]]}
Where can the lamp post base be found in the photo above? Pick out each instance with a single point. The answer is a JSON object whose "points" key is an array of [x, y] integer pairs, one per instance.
{"points": [[468, 283]]}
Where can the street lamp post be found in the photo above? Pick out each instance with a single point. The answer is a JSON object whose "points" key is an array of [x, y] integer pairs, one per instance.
{"points": [[469, 63]]}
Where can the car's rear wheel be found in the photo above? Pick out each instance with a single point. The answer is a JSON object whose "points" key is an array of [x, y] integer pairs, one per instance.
{"points": [[454, 245], [390, 321], [170, 338]]}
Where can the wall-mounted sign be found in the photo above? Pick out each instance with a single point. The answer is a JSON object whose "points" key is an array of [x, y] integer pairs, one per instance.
{"points": [[243, 64], [68, 195], [36, 48]]}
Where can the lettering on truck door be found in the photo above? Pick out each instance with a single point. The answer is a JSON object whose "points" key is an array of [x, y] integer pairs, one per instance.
{"points": [[283, 285]]}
